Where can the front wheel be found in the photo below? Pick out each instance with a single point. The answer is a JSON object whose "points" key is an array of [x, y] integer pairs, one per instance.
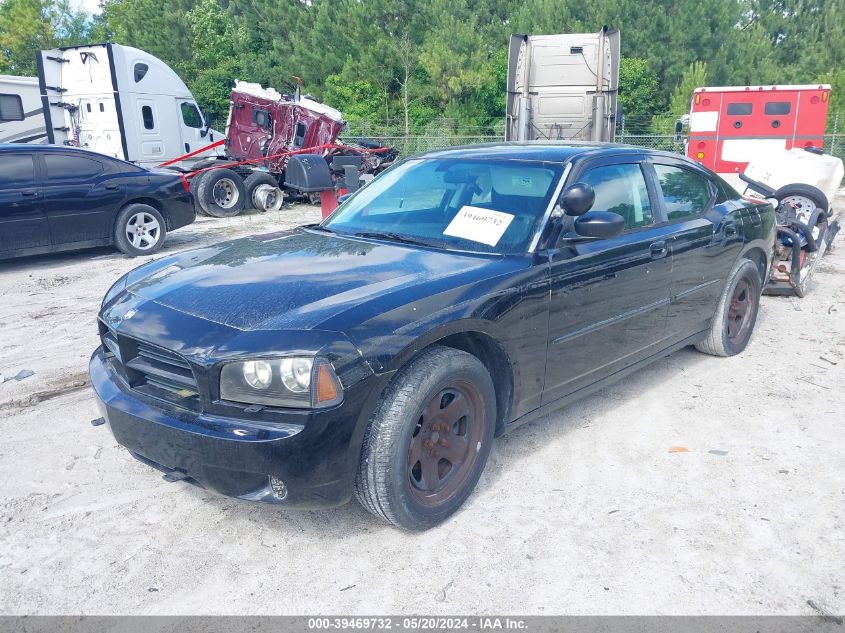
{"points": [[139, 230], [736, 315], [428, 440]]}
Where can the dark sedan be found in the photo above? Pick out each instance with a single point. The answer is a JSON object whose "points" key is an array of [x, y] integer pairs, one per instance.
{"points": [[56, 198], [460, 294]]}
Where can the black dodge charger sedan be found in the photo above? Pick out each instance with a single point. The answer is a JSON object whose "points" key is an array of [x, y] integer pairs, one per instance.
{"points": [[460, 294], [56, 198]]}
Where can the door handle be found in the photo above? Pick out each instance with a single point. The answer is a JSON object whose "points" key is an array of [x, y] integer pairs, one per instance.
{"points": [[29, 193], [112, 186], [658, 249], [187, 148]]}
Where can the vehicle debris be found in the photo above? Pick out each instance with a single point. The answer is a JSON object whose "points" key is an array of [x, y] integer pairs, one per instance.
{"points": [[719, 452], [825, 613], [678, 449], [23, 374]]}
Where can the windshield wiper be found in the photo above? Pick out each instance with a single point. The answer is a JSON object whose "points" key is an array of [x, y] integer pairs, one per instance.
{"points": [[394, 237]]}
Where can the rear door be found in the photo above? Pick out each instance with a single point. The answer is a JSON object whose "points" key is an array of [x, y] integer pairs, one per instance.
{"points": [[23, 223], [82, 194], [609, 297], [705, 242]]}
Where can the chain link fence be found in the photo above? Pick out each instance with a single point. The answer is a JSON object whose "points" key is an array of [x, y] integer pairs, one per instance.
{"points": [[651, 131]]}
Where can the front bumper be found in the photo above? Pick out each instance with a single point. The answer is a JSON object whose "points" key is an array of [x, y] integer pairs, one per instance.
{"points": [[314, 454]]}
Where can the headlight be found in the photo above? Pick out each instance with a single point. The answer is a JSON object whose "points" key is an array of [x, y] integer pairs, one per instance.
{"points": [[281, 382]]}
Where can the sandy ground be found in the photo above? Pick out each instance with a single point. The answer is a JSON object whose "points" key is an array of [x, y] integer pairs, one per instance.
{"points": [[585, 512]]}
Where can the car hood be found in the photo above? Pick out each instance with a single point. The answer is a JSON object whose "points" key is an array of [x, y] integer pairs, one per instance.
{"points": [[298, 279]]}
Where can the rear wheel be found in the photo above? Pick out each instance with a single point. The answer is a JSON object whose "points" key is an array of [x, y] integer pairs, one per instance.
{"points": [[139, 230], [736, 315], [263, 192], [221, 193], [428, 440]]}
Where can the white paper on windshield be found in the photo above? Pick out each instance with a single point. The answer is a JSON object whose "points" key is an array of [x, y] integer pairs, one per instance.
{"points": [[479, 225]]}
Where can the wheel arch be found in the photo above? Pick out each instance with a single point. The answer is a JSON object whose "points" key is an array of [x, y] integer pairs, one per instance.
{"points": [[757, 254], [479, 342], [152, 202]]}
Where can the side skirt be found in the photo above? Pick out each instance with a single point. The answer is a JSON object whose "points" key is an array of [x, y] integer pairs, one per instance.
{"points": [[604, 382]]}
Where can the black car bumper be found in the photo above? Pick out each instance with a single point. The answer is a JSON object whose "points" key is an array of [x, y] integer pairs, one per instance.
{"points": [[180, 211], [309, 462]]}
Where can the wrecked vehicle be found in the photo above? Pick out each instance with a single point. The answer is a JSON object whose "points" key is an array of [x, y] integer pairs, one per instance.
{"points": [[265, 131], [459, 295], [801, 184]]}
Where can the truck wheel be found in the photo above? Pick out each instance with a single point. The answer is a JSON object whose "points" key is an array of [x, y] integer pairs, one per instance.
{"points": [[139, 230], [806, 197], [221, 193], [428, 440], [194, 183], [262, 192], [736, 315]]}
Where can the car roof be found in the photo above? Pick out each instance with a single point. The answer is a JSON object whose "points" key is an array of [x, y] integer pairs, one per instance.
{"points": [[40, 147], [551, 151]]}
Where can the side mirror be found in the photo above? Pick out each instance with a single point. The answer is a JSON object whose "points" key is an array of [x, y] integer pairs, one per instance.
{"points": [[679, 130], [599, 225], [577, 199], [206, 121], [343, 198]]}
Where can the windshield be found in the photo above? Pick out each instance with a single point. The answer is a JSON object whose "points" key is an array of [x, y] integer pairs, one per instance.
{"points": [[489, 206]]}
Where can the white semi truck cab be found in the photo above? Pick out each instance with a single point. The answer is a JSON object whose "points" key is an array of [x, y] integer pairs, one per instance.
{"points": [[563, 86], [122, 102]]}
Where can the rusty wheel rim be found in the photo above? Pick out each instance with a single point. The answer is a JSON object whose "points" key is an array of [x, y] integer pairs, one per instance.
{"points": [[445, 443], [740, 311]]}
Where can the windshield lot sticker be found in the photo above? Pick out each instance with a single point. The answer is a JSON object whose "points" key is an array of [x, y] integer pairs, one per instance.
{"points": [[479, 225]]}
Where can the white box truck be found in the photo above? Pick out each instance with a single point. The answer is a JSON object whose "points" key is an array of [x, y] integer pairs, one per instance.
{"points": [[563, 86], [122, 102]]}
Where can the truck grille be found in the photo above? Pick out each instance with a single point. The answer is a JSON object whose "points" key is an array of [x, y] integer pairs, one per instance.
{"points": [[150, 369]]}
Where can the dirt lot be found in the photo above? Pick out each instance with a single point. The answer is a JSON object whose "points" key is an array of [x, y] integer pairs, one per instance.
{"points": [[585, 512]]}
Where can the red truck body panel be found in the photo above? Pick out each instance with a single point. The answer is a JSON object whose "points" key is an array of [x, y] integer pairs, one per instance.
{"points": [[730, 126]]}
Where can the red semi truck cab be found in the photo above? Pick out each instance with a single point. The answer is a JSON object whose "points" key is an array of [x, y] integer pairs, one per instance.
{"points": [[731, 126]]}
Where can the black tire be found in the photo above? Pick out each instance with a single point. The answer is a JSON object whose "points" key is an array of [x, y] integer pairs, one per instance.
{"points": [[221, 193], [193, 183], [407, 422], [251, 184], [809, 193], [729, 336], [139, 230]]}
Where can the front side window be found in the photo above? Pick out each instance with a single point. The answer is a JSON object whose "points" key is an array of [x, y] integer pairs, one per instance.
{"points": [[16, 170], [299, 139], [490, 206], [11, 108], [68, 167], [621, 189], [191, 115], [147, 117], [685, 192]]}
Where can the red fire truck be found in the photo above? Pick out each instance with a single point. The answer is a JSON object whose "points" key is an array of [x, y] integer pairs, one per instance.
{"points": [[732, 126]]}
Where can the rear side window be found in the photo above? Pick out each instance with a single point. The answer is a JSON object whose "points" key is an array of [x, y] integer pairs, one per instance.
{"points": [[16, 169], [68, 167], [11, 108], [685, 192], [621, 189], [147, 116], [777, 107], [739, 109]]}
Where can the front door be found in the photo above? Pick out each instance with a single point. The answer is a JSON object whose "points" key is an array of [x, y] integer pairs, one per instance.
{"points": [[192, 126], [23, 223], [609, 298]]}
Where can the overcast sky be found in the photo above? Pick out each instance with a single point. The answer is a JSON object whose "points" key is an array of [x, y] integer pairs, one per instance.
{"points": [[89, 6]]}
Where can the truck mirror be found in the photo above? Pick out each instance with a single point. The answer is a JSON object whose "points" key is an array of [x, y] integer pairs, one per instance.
{"points": [[206, 123], [679, 130]]}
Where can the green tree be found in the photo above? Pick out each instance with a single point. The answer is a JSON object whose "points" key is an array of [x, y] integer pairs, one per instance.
{"points": [[695, 76], [27, 26], [639, 89]]}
